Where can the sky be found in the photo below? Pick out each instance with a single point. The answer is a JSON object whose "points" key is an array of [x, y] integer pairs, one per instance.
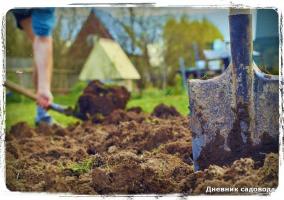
{"points": [[218, 16]]}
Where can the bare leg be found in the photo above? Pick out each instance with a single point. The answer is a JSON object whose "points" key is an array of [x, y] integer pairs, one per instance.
{"points": [[42, 48], [41, 114], [43, 59]]}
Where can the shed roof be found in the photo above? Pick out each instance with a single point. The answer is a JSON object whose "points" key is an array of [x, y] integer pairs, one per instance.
{"points": [[80, 48]]}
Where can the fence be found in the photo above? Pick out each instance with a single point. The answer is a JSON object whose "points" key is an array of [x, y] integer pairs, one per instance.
{"points": [[62, 80]]}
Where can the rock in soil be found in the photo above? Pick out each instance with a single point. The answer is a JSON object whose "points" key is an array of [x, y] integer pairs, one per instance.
{"points": [[127, 153]]}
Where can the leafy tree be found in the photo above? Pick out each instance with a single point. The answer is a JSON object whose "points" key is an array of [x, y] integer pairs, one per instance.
{"points": [[68, 23], [187, 39], [17, 43], [139, 29]]}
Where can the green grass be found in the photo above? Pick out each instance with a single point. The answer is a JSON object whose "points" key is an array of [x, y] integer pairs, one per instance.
{"points": [[148, 101], [80, 167], [18, 112], [21, 109]]}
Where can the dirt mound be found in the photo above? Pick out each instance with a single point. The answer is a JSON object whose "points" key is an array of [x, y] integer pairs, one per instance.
{"points": [[241, 174], [100, 100], [119, 115], [136, 109], [164, 111], [127, 153]]}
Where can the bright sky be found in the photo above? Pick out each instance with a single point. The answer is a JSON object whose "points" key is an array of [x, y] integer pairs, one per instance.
{"points": [[218, 16]]}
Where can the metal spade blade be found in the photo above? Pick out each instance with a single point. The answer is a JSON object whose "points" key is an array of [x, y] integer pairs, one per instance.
{"points": [[237, 113]]}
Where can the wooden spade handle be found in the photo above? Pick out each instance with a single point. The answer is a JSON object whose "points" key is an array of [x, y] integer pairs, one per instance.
{"points": [[21, 90]]}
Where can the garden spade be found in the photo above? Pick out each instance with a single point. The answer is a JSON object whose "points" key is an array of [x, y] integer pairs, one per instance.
{"points": [[56, 107], [235, 114]]}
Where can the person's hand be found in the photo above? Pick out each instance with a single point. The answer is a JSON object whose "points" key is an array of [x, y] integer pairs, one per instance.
{"points": [[44, 98]]}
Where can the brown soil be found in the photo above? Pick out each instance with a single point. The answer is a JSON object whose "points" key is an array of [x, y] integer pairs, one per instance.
{"points": [[164, 111], [100, 100], [120, 152], [128, 152]]}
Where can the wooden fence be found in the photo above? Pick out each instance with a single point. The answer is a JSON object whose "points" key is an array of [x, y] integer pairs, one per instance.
{"points": [[62, 81]]}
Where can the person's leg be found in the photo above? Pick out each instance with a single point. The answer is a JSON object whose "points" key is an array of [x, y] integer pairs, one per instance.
{"points": [[42, 50], [43, 20], [43, 58], [41, 114], [42, 25]]}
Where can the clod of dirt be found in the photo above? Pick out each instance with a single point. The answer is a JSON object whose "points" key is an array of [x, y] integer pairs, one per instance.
{"points": [[242, 173], [59, 131], [100, 100], [44, 128], [119, 115], [12, 150], [164, 111], [214, 172], [135, 109], [91, 150], [269, 171], [22, 130]]}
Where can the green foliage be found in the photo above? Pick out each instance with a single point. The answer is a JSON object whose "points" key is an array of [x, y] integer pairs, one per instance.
{"points": [[68, 20], [17, 43], [178, 88], [268, 61], [181, 37], [80, 167]]}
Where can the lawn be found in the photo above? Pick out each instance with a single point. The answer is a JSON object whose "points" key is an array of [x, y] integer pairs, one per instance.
{"points": [[22, 109]]}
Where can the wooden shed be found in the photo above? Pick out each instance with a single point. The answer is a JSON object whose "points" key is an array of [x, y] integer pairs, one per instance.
{"points": [[81, 48], [109, 63]]}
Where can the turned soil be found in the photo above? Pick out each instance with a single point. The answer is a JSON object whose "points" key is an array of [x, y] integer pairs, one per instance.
{"points": [[127, 153], [120, 152]]}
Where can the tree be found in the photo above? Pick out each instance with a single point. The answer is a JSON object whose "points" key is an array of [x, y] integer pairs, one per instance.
{"points": [[187, 39], [139, 29], [68, 23], [17, 43]]}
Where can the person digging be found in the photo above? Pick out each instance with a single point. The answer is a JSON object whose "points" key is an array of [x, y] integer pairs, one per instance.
{"points": [[38, 24]]}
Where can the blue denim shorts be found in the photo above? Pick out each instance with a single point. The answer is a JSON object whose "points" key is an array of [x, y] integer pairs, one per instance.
{"points": [[43, 19]]}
